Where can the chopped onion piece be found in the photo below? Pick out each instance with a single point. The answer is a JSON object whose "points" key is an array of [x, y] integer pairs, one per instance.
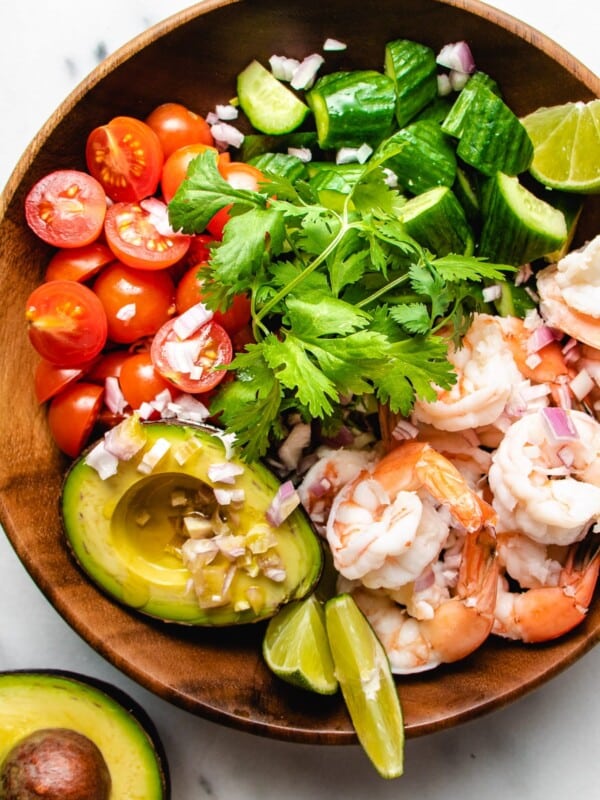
{"points": [[304, 75], [458, 80], [559, 424], [228, 440], [283, 68], [178, 498], [539, 338], [161, 401], [157, 452], [197, 527], [225, 497], [291, 449], [113, 396], [582, 384], [456, 56], [282, 505], [188, 408], [159, 215], [349, 155], [303, 153], [532, 361], [126, 312], [226, 112], [525, 272], [227, 135], [125, 439], [567, 456], [225, 472], [491, 293], [182, 355], [404, 430], [332, 45], [444, 87], [191, 320], [145, 410], [105, 463], [186, 450]]}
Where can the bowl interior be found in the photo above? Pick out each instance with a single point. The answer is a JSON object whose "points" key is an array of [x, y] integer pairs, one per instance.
{"points": [[193, 58]]}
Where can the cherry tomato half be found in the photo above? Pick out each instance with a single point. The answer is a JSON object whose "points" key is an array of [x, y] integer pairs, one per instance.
{"points": [[49, 380], [190, 291], [108, 365], [209, 347], [139, 381], [133, 233], [136, 302], [126, 156], [78, 263], [66, 208], [67, 323], [72, 415], [176, 126]]}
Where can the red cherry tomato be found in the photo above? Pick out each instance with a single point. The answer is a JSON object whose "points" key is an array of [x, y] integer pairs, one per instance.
{"points": [[133, 234], [72, 415], [177, 126], [78, 263], [49, 380], [241, 175], [66, 208], [126, 156], [108, 365], [139, 381], [210, 347], [200, 249], [218, 222], [176, 166], [136, 302], [67, 323], [190, 290]]}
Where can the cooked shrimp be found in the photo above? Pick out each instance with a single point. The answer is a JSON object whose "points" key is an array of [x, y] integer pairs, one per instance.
{"points": [[528, 562], [570, 294], [333, 470], [547, 612], [462, 448], [457, 626], [544, 487], [389, 523]]}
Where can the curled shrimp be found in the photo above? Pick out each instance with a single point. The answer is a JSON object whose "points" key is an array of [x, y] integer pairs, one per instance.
{"points": [[390, 522], [547, 612], [570, 294], [547, 489], [457, 626], [529, 563]]}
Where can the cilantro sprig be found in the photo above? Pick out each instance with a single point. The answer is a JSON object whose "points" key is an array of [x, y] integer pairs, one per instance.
{"points": [[343, 302]]}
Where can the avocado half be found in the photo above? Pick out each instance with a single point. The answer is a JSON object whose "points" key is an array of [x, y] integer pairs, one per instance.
{"points": [[172, 538], [34, 700]]}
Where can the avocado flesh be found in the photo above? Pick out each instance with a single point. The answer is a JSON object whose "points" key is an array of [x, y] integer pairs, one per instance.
{"points": [[30, 701], [128, 533]]}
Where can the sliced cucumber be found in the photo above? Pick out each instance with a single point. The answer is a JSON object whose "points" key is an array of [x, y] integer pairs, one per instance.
{"points": [[281, 164], [426, 159], [438, 222], [255, 144], [413, 69], [518, 227], [269, 105], [332, 185], [465, 188], [454, 121], [352, 108]]}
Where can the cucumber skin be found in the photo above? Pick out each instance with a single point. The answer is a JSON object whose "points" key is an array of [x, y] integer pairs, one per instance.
{"points": [[413, 68], [281, 164], [271, 107], [453, 123], [352, 108], [438, 222], [427, 158], [506, 236]]}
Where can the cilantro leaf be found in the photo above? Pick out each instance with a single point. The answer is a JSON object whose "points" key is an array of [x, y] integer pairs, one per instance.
{"points": [[413, 317], [314, 314], [462, 268]]}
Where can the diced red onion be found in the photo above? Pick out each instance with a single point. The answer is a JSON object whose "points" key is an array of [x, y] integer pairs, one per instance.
{"points": [[305, 74], [349, 155], [456, 56], [283, 68], [563, 392], [226, 134], [126, 312], [292, 447], [212, 118], [524, 273], [226, 497], [332, 45], [159, 216], [113, 396], [491, 293], [156, 453], [145, 410], [559, 424], [226, 112], [539, 338], [282, 505], [182, 356], [105, 463], [225, 472], [425, 580], [444, 87], [303, 153], [191, 320], [188, 408], [532, 361], [458, 80], [582, 384], [125, 439], [404, 430], [567, 456]]}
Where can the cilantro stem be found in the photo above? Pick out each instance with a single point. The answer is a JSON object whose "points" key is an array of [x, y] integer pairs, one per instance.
{"points": [[382, 290]]}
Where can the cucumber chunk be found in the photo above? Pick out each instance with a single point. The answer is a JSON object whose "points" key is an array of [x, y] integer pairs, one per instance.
{"points": [[413, 69], [269, 105], [281, 164], [437, 221], [453, 123], [352, 108], [518, 227]]}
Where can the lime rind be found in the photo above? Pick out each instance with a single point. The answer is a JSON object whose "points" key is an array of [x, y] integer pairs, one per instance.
{"points": [[566, 140]]}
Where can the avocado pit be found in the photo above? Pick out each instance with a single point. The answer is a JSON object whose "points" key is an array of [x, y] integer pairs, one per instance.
{"points": [[55, 764]]}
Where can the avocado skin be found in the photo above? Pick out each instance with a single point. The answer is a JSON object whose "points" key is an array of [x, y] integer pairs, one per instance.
{"points": [[57, 697], [99, 540]]}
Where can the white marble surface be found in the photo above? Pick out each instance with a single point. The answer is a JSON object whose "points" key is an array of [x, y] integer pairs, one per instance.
{"points": [[543, 747]]}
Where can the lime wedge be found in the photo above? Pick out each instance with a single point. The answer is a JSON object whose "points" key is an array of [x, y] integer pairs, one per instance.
{"points": [[366, 681], [296, 649], [566, 142]]}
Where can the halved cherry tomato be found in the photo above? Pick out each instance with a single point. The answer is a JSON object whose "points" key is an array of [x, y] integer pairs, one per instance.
{"points": [[136, 302], [72, 415], [67, 323], [49, 380], [176, 126], [139, 381], [200, 249], [209, 347], [217, 223], [190, 290], [107, 365], [66, 208], [126, 156], [133, 233], [78, 263], [176, 166]]}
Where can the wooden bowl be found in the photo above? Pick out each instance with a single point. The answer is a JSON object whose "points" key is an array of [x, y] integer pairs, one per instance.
{"points": [[193, 58]]}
